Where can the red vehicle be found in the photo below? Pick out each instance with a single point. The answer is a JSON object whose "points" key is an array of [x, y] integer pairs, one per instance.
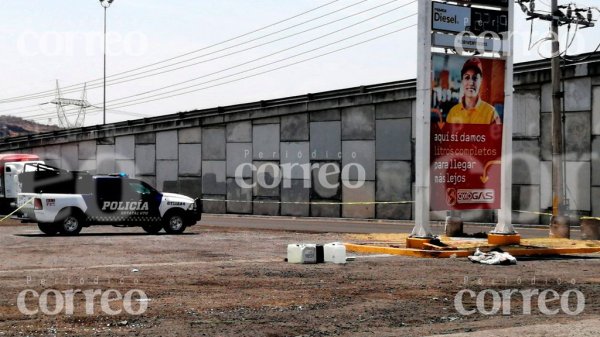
{"points": [[11, 164]]}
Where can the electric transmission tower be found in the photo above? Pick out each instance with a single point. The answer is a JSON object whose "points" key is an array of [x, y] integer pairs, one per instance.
{"points": [[61, 102]]}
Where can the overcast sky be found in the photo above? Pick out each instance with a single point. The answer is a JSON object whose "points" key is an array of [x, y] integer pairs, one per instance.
{"points": [[43, 41]]}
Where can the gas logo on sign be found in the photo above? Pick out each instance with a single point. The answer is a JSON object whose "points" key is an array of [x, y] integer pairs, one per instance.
{"points": [[487, 196]]}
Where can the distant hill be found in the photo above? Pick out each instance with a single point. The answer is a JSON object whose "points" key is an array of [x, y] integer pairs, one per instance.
{"points": [[11, 126]]}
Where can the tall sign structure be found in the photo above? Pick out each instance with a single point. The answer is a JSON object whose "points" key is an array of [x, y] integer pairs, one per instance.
{"points": [[464, 113]]}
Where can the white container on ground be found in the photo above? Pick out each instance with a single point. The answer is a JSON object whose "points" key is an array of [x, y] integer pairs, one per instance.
{"points": [[335, 252], [302, 253]]}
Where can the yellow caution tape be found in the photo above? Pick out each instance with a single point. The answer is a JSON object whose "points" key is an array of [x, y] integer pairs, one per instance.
{"points": [[16, 210]]}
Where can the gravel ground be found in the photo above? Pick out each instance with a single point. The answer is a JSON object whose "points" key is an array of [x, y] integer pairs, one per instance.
{"points": [[234, 282]]}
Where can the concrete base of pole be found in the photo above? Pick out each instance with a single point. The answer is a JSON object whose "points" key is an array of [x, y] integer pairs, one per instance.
{"points": [[560, 227], [417, 243], [590, 229], [454, 226], [504, 239]]}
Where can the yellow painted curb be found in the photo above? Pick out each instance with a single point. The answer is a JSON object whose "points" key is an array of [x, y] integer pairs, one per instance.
{"points": [[535, 251], [504, 239], [416, 243]]}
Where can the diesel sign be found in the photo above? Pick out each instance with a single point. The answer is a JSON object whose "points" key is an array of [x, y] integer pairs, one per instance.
{"points": [[450, 18], [457, 19]]}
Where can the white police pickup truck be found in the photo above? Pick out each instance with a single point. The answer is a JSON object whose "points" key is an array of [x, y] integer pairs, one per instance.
{"points": [[65, 202]]}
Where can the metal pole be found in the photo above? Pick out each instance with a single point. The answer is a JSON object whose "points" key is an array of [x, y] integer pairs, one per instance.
{"points": [[559, 223], [104, 94], [422, 228], [504, 225]]}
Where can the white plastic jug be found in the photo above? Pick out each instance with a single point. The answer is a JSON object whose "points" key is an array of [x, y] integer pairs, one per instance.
{"points": [[335, 252], [302, 253]]}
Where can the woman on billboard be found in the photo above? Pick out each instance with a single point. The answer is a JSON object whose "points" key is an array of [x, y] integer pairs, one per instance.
{"points": [[472, 109]]}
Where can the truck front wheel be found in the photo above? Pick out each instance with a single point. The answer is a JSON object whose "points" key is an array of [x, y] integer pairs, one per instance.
{"points": [[48, 228], [69, 222], [173, 223]]}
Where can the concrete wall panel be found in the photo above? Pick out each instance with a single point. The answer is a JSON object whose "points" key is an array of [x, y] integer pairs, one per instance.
{"points": [[267, 179], [358, 153], [190, 186], [125, 147], [577, 137], [239, 132], [296, 191], [546, 137], [578, 94], [213, 177], [166, 171], [596, 161], [145, 138], [526, 118], [358, 123], [295, 160], [596, 112], [578, 185], [215, 206], [393, 110], [526, 162], [87, 150], [265, 145], [240, 197], [106, 159], [326, 115], [546, 105], [596, 201], [68, 156], [394, 181], [526, 198], [266, 206], [84, 165], [213, 144], [190, 135], [145, 160], [324, 210], [52, 152], [326, 181], [190, 159], [362, 194], [239, 154], [294, 127], [393, 139], [167, 145], [325, 140], [546, 185]]}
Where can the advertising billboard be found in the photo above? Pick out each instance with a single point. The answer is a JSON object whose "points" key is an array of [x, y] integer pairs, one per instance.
{"points": [[467, 107]]}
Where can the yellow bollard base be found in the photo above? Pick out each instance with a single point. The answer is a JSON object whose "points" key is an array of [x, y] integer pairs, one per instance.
{"points": [[417, 243], [504, 239]]}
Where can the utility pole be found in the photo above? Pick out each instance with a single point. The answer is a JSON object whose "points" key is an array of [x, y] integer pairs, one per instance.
{"points": [[559, 223]]}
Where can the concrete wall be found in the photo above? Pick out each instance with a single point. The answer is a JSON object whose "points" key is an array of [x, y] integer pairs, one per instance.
{"points": [[221, 154]]}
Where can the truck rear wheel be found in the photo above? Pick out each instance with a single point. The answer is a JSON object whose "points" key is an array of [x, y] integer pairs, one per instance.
{"points": [[69, 222], [48, 228], [173, 223]]}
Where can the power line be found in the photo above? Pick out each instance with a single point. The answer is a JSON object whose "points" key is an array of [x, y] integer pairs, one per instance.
{"points": [[266, 56], [264, 72], [49, 92], [152, 72], [151, 99]]}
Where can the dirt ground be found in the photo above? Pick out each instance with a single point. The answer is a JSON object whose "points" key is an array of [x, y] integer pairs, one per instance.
{"points": [[233, 282]]}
